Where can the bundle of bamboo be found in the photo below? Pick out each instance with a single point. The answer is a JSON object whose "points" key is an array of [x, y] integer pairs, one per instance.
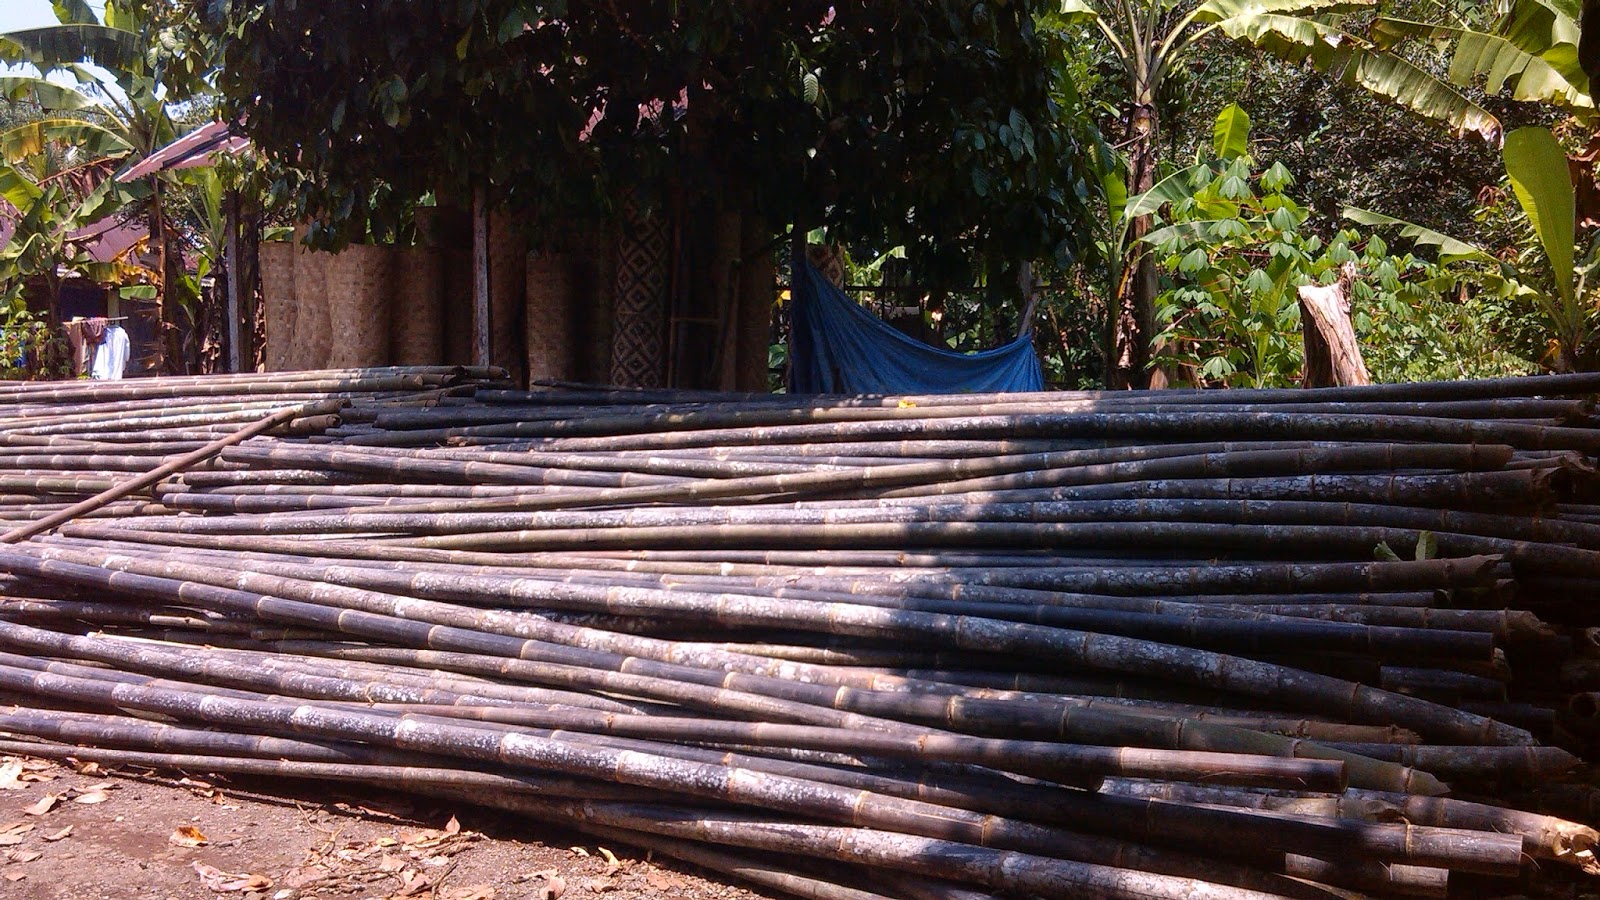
{"points": [[1021, 645]]}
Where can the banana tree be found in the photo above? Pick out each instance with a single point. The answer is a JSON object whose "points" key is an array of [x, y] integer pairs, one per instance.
{"points": [[1557, 282], [1530, 49], [1151, 39], [131, 70]]}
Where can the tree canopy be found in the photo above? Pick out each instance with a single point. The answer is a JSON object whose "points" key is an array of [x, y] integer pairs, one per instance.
{"points": [[928, 124]]}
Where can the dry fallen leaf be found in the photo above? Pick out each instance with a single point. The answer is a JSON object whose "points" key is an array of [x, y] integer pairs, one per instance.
{"points": [[577, 851], [44, 805], [187, 836], [86, 768], [11, 775], [15, 875], [229, 882], [552, 889], [612, 863], [453, 826], [415, 884], [390, 863], [661, 881], [91, 798], [23, 856], [473, 892], [63, 833]]}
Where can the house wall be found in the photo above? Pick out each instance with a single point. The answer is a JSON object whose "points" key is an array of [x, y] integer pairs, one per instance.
{"points": [[650, 300]]}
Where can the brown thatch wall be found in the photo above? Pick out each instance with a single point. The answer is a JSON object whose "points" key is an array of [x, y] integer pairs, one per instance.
{"points": [[416, 329], [551, 307], [360, 288], [313, 326], [278, 302]]}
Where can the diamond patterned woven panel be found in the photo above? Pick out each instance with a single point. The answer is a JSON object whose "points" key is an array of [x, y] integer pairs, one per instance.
{"points": [[637, 344]]}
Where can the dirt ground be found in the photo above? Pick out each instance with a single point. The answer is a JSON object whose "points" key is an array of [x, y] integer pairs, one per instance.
{"points": [[87, 834]]}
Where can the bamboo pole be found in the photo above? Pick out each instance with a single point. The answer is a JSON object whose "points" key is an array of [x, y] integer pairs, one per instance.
{"points": [[163, 471]]}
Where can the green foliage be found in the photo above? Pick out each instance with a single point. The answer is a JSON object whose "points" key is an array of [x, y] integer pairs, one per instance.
{"points": [[1544, 281], [1237, 247], [30, 348], [929, 125], [1530, 50]]}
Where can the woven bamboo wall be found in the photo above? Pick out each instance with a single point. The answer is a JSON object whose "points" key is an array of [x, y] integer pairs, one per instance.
{"points": [[550, 307], [277, 300], [313, 336], [360, 290], [416, 325]]}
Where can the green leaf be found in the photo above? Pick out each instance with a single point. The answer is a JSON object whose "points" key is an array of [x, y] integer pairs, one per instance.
{"points": [[1532, 67], [1384, 553], [1174, 187], [137, 292], [1537, 167], [1450, 249], [1230, 135], [31, 138], [74, 12], [56, 46], [1427, 546], [1218, 10], [1078, 11], [18, 190], [45, 93], [1351, 60]]}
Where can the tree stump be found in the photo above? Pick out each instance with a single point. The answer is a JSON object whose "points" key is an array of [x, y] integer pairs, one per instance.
{"points": [[1333, 358]]}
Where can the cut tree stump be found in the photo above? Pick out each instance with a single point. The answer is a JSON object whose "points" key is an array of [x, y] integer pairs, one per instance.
{"points": [[1333, 358]]}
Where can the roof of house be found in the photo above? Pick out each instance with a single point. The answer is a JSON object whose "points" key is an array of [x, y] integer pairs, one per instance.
{"points": [[199, 147]]}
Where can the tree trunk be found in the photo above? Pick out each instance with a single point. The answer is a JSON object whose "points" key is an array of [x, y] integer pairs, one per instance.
{"points": [[1132, 313], [1333, 358]]}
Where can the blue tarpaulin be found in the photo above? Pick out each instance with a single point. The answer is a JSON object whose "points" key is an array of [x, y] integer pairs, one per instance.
{"points": [[837, 347]]}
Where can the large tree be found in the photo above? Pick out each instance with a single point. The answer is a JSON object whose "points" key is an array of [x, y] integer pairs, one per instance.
{"points": [[927, 124]]}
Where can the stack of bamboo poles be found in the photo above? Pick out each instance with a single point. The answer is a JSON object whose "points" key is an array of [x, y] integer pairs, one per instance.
{"points": [[1219, 644]]}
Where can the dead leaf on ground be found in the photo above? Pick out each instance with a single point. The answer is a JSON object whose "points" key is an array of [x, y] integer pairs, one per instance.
{"points": [[86, 768], [44, 805], [600, 885], [453, 826], [63, 833], [229, 882], [577, 851], [415, 884], [12, 834], [23, 856], [38, 770], [14, 875], [90, 798], [11, 775], [552, 888], [472, 892], [187, 836], [661, 881], [612, 863]]}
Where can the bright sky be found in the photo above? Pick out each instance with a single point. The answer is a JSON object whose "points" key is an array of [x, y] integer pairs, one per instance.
{"points": [[16, 15]]}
